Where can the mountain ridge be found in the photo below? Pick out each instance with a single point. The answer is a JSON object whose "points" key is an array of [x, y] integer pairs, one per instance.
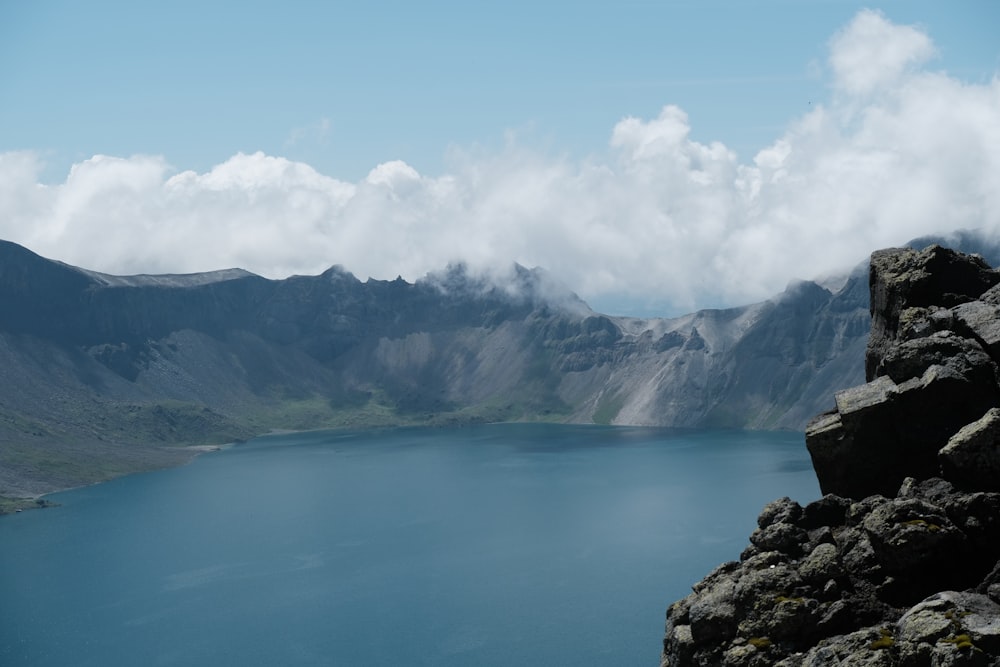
{"points": [[126, 367]]}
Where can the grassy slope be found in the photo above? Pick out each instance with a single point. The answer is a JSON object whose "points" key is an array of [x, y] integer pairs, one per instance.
{"points": [[79, 440]]}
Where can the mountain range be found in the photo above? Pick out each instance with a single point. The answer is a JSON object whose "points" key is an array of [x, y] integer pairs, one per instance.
{"points": [[102, 375]]}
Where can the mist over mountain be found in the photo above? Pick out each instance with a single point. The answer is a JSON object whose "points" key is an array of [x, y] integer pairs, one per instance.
{"points": [[102, 375]]}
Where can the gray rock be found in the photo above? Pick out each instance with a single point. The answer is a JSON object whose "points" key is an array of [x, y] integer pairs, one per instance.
{"points": [[681, 642], [904, 278], [971, 458], [818, 536], [841, 443], [925, 622], [713, 613], [981, 320], [911, 359], [976, 514], [865, 648], [918, 545], [919, 322], [783, 510], [884, 432], [822, 564], [950, 628], [857, 554], [992, 295], [745, 655], [783, 537]]}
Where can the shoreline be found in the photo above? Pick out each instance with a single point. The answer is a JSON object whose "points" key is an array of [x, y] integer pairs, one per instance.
{"points": [[121, 462], [18, 504]]}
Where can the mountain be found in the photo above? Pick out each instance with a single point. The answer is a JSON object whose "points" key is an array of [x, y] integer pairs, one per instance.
{"points": [[102, 375]]}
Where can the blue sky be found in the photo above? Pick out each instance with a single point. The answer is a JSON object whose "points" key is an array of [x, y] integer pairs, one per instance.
{"points": [[488, 128]]}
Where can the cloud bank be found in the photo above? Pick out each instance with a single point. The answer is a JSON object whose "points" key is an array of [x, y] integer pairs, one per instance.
{"points": [[898, 151]]}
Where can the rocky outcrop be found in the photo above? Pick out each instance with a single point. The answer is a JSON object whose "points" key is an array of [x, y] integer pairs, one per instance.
{"points": [[933, 278], [909, 580], [932, 368], [899, 562]]}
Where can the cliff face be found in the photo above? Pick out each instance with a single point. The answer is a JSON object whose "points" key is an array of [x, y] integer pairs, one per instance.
{"points": [[899, 563], [766, 366]]}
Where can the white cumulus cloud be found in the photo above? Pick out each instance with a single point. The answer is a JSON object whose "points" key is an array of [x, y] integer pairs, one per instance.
{"points": [[871, 52], [899, 151]]}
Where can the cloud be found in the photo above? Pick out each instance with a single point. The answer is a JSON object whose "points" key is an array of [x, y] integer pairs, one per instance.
{"points": [[899, 151], [872, 53]]}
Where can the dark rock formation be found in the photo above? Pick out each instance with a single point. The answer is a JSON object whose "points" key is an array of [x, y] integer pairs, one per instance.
{"points": [[899, 280], [842, 580], [972, 456], [899, 563], [929, 367]]}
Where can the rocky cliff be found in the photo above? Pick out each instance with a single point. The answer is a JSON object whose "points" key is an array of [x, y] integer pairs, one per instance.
{"points": [[899, 563]]}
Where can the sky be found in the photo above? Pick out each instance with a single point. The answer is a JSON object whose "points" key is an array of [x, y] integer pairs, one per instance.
{"points": [[653, 157]]}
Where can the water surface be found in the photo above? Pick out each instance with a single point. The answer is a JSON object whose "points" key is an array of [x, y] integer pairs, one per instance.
{"points": [[507, 544]]}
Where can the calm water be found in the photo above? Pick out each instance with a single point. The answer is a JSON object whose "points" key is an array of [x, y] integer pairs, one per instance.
{"points": [[486, 545]]}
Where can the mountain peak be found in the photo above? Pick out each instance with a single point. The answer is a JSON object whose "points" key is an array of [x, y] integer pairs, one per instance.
{"points": [[534, 286]]}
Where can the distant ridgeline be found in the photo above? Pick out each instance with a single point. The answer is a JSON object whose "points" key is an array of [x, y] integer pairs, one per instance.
{"points": [[899, 564], [104, 375]]}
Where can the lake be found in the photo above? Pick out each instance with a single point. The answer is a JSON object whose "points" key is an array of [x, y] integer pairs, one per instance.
{"points": [[505, 544]]}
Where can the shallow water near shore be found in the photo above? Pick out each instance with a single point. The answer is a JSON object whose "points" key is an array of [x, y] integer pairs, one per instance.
{"points": [[506, 544]]}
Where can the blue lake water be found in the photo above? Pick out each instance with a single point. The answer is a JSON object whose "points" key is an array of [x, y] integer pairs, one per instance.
{"points": [[508, 544]]}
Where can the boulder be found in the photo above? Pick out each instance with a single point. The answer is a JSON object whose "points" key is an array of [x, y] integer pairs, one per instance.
{"points": [[839, 441], [971, 458], [982, 321], [883, 432], [864, 648], [912, 358], [919, 547], [950, 628], [901, 278]]}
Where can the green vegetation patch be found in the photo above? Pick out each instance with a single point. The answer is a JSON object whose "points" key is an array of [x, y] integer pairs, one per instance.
{"points": [[780, 599], [884, 641], [97, 440], [932, 527], [608, 409], [962, 641]]}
